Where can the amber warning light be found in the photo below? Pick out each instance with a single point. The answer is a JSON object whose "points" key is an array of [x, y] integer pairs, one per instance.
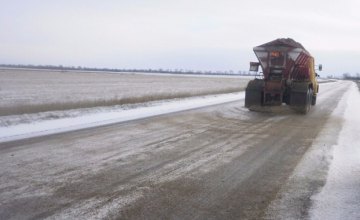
{"points": [[275, 54]]}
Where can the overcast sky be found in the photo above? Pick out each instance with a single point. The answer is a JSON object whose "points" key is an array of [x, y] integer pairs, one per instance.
{"points": [[181, 34]]}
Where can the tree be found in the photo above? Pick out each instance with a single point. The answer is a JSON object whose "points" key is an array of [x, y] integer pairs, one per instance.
{"points": [[346, 75]]}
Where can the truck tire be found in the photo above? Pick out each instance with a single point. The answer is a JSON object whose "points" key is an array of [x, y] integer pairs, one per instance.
{"points": [[313, 100], [308, 103], [254, 94], [301, 98]]}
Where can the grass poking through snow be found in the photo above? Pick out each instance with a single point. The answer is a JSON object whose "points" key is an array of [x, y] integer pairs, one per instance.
{"points": [[43, 107]]}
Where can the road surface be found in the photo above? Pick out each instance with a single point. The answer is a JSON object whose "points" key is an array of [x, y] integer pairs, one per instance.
{"points": [[218, 162]]}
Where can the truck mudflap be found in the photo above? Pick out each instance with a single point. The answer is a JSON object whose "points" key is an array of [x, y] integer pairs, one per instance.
{"points": [[273, 93], [254, 94]]}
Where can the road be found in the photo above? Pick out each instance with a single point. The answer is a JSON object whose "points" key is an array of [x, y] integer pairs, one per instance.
{"points": [[218, 162]]}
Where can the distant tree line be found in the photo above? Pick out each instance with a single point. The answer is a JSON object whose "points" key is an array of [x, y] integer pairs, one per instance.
{"points": [[172, 71], [348, 76]]}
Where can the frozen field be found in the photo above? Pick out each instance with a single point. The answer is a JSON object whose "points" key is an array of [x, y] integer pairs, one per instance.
{"points": [[28, 91]]}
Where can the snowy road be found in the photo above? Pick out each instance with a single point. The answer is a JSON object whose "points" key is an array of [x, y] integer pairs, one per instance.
{"points": [[217, 162]]}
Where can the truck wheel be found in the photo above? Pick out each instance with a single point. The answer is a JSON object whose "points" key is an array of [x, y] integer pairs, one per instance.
{"points": [[253, 94], [301, 101], [309, 96], [313, 100]]}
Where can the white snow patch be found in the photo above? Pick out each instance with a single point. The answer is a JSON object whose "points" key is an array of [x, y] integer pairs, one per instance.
{"points": [[340, 197], [46, 127]]}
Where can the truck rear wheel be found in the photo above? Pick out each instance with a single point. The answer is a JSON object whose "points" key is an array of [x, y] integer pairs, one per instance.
{"points": [[301, 100], [254, 94], [308, 102], [313, 100]]}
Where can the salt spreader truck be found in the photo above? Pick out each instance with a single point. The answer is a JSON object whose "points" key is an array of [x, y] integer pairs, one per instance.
{"points": [[288, 77]]}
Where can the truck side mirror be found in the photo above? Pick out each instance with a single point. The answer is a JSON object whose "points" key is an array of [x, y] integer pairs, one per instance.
{"points": [[254, 66], [320, 67]]}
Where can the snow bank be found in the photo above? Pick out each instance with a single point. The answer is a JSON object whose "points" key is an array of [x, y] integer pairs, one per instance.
{"points": [[340, 197], [39, 128]]}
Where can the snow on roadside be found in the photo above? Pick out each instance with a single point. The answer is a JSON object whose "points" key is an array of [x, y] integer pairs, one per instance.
{"points": [[295, 199], [46, 127], [340, 197], [325, 80]]}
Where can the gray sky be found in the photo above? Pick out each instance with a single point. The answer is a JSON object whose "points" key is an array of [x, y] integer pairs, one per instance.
{"points": [[198, 35]]}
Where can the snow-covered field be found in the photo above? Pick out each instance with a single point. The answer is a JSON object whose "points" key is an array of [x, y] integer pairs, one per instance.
{"points": [[29, 91]]}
